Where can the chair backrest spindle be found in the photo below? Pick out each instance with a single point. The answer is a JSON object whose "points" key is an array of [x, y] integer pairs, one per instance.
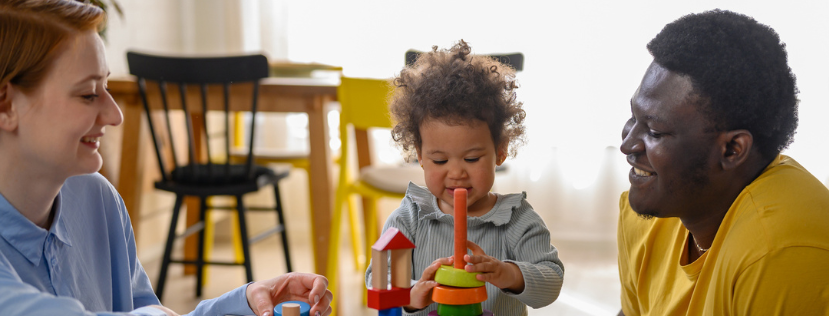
{"points": [[203, 90], [191, 145], [226, 97], [249, 169], [162, 89], [142, 90]]}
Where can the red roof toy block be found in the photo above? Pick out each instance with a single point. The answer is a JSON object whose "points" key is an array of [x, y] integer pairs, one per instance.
{"points": [[392, 239]]}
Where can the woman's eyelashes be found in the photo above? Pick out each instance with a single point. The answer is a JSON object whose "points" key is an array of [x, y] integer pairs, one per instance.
{"points": [[90, 97]]}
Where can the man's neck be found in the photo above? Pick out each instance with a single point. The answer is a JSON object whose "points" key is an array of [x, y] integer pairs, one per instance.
{"points": [[705, 223], [32, 193]]}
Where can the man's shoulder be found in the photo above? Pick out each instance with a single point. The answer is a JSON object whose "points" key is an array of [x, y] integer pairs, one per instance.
{"points": [[785, 180], [786, 197], [785, 207]]}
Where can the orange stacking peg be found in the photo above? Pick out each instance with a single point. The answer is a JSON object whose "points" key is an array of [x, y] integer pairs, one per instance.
{"points": [[460, 227]]}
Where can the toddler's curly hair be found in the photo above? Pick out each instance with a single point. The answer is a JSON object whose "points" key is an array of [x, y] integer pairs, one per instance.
{"points": [[457, 87]]}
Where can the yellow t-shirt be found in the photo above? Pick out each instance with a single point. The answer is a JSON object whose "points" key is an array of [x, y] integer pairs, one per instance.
{"points": [[770, 255]]}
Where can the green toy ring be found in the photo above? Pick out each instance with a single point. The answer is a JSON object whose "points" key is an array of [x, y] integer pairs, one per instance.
{"points": [[448, 275], [460, 310]]}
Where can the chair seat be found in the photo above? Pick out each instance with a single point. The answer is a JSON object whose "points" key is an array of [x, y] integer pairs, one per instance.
{"points": [[271, 153], [392, 178], [206, 180]]}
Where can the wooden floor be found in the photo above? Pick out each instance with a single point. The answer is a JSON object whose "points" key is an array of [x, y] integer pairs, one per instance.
{"points": [[582, 223]]}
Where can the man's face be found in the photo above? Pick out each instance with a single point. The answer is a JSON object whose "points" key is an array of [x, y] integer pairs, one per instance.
{"points": [[671, 145]]}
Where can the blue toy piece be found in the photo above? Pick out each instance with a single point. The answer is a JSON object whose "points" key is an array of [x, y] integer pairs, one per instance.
{"points": [[397, 311], [304, 308]]}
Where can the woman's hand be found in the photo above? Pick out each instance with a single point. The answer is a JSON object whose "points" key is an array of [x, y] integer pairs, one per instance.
{"points": [[504, 275], [310, 288], [169, 312], [421, 293]]}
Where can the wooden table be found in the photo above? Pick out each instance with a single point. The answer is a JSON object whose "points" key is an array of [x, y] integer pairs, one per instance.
{"points": [[306, 95]]}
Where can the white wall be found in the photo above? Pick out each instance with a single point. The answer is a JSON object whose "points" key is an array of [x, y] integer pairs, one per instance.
{"points": [[152, 25], [583, 58], [201, 27]]}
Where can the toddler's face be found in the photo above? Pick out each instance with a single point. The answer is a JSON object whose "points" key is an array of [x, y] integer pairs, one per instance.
{"points": [[459, 156]]}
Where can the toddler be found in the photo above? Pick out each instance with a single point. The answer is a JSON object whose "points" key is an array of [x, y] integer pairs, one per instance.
{"points": [[459, 114]]}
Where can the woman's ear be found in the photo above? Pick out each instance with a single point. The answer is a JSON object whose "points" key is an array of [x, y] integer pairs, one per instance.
{"points": [[736, 148], [8, 113]]}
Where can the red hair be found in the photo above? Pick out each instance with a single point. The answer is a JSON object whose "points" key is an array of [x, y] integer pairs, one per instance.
{"points": [[32, 33]]}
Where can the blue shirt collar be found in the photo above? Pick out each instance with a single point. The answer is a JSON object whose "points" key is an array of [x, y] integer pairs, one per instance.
{"points": [[24, 235], [59, 223], [428, 208]]}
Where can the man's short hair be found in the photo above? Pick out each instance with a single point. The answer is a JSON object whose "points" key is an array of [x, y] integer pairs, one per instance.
{"points": [[739, 71]]}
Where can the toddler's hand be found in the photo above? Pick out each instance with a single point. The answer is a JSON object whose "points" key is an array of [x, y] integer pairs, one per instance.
{"points": [[504, 275], [421, 293]]}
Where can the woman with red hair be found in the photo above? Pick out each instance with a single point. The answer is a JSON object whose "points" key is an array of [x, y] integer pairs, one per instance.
{"points": [[66, 242]]}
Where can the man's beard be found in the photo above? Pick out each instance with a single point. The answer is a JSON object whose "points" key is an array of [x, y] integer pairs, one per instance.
{"points": [[694, 179]]}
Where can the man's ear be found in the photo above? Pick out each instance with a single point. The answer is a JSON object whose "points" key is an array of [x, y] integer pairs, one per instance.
{"points": [[501, 154], [8, 113], [737, 145]]}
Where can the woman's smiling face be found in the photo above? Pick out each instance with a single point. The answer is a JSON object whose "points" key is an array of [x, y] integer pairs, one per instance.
{"points": [[61, 121]]}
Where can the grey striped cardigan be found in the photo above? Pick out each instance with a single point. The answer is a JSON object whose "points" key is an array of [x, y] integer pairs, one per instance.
{"points": [[510, 232]]}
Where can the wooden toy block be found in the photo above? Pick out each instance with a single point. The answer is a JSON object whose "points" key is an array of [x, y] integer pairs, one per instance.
{"points": [[401, 268], [460, 310], [460, 227], [397, 311], [393, 239], [379, 269], [385, 299], [458, 296], [448, 275], [292, 308], [486, 313]]}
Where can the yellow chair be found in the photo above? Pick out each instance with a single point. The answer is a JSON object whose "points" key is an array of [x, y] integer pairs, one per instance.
{"points": [[364, 105]]}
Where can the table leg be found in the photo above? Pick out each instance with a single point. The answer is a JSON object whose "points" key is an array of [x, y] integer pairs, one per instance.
{"points": [[320, 178], [131, 174], [372, 231], [191, 243], [193, 204]]}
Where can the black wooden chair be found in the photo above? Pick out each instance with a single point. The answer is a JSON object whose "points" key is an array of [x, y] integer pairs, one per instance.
{"points": [[196, 178], [515, 60]]}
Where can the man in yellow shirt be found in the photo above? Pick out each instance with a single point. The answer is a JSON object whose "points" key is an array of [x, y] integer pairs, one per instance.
{"points": [[716, 221]]}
